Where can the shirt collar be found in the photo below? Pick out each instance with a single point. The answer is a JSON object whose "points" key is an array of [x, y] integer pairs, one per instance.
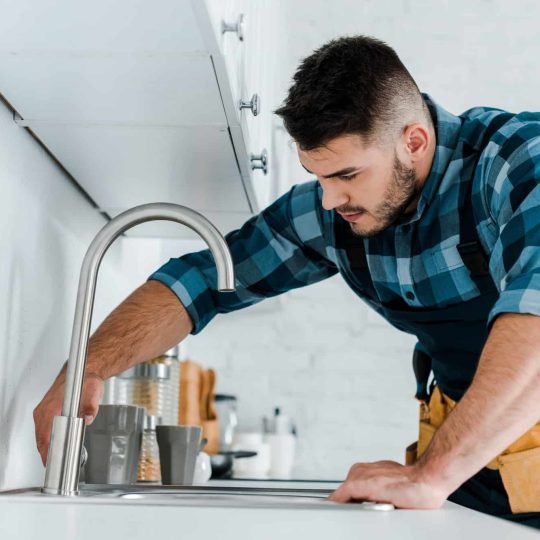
{"points": [[447, 130]]}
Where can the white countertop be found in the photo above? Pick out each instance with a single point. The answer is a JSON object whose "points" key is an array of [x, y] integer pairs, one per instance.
{"points": [[29, 516]]}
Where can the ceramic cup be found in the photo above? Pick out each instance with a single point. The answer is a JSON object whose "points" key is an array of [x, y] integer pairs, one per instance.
{"points": [[178, 449], [203, 469], [113, 442]]}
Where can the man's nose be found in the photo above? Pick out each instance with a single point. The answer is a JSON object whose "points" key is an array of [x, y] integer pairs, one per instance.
{"points": [[333, 198]]}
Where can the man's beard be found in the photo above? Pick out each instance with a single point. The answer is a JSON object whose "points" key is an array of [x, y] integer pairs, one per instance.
{"points": [[400, 194]]}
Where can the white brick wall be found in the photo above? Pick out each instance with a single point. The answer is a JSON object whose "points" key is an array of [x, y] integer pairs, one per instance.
{"points": [[321, 356], [463, 52], [338, 368]]}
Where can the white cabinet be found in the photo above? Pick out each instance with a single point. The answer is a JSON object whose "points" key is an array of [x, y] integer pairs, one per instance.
{"points": [[100, 26], [169, 90], [123, 166], [245, 59], [140, 101]]}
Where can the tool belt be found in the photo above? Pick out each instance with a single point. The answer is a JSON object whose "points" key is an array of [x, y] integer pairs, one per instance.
{"points": [[518, 465]]}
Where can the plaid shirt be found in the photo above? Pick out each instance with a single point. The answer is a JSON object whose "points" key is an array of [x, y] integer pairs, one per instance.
{"points": [[414, 262]]}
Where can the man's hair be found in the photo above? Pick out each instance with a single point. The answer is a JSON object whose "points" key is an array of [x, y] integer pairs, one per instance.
{"points": [[351, 85]]}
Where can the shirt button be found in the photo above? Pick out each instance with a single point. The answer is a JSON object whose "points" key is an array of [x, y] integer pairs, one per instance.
{"points": [[405, 228], [410, 295]]}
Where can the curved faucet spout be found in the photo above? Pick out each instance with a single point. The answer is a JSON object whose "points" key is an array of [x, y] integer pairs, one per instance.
{"points": [[61, 476]]}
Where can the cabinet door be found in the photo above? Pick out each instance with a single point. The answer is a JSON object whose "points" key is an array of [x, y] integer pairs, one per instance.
{"points": [[123, 166], [100, 26], [226, 47], [244, 69], [124, 95], [258, 76], [164, 89], [140, 101]]}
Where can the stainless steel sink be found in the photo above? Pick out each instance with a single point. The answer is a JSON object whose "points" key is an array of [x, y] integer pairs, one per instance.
{"points": [[246, 496]]}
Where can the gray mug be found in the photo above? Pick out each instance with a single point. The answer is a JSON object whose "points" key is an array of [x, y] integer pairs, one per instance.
{"points": [[178, 449], [113, 443]]}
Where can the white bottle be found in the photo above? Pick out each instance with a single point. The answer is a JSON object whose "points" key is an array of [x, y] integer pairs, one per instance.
{"points": [[282, 442]]}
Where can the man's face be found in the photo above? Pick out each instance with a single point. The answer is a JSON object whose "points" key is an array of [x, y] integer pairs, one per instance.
{"points": [[366, 184]]}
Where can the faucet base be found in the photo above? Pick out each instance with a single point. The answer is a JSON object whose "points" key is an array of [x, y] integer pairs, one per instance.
{"points": [[64, 457], [48, 491]]}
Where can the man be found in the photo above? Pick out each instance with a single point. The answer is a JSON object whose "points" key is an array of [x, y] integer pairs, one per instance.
{"points": [[432, 219]]}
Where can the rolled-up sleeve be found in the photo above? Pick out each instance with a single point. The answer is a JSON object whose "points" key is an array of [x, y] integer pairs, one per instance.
{"points": [[280, 249], [513, 197]]}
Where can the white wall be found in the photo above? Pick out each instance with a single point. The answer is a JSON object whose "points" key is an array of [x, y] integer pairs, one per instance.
{"points": [[46, 226], [463, 53]]}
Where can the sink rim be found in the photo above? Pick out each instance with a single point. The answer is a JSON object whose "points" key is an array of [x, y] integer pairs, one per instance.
{"points": [[200, 495]]}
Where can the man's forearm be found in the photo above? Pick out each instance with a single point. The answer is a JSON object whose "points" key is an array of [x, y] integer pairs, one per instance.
{"points": [[502, 403], [148, 322]]}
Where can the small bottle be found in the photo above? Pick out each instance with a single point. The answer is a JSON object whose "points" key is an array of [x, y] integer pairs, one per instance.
{"points": [[149, 466], [172, 359], [281, 423], [228, 419]]}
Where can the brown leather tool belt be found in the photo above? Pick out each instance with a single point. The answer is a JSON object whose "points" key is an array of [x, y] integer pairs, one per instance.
{"points": [[519, 464]]}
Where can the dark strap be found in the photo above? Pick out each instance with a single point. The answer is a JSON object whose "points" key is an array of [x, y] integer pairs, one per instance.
{"points": [[422, 370], [352, 244], [470, 248]]}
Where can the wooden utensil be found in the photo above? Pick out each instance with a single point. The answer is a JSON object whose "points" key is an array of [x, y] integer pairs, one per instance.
{"points": [[189, 411], [211, 407]]}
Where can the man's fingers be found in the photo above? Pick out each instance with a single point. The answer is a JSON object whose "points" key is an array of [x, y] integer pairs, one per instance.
{"points": [[89, 410], [342, 494], [51, 406], [43, 446], [92, 393], [43, 424]]}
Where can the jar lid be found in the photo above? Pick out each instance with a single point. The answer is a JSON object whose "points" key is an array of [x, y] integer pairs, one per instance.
{"points": [[147, 371], [150, 421], [174, 352]]}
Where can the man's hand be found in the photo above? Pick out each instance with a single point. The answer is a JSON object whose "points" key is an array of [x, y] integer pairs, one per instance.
{"points": [[51, 406], [404, 486]]}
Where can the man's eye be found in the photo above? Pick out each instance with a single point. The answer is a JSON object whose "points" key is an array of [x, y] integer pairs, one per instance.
{"points": [[350, 177]]}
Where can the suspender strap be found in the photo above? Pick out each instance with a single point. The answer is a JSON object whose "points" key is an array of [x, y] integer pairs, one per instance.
{"points": [[352, 244], [354, 249], [470, 248]]}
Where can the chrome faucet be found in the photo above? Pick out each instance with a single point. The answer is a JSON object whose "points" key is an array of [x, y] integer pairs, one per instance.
{"points": [[63, 459]]}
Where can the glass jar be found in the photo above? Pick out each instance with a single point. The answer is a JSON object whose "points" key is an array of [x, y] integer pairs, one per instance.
{"points": [[228, 419], [154, 385], [149, 466], [147, 387], [118, 391]]}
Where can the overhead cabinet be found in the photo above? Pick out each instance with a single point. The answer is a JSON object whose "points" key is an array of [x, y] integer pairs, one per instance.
{"points": [[147, 102]]}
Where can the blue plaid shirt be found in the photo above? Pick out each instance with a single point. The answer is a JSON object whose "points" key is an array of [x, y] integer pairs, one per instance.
{"points": [[414, 262]]}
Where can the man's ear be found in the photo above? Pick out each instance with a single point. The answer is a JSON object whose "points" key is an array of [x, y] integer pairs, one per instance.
{"points": [[414, 143]]}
